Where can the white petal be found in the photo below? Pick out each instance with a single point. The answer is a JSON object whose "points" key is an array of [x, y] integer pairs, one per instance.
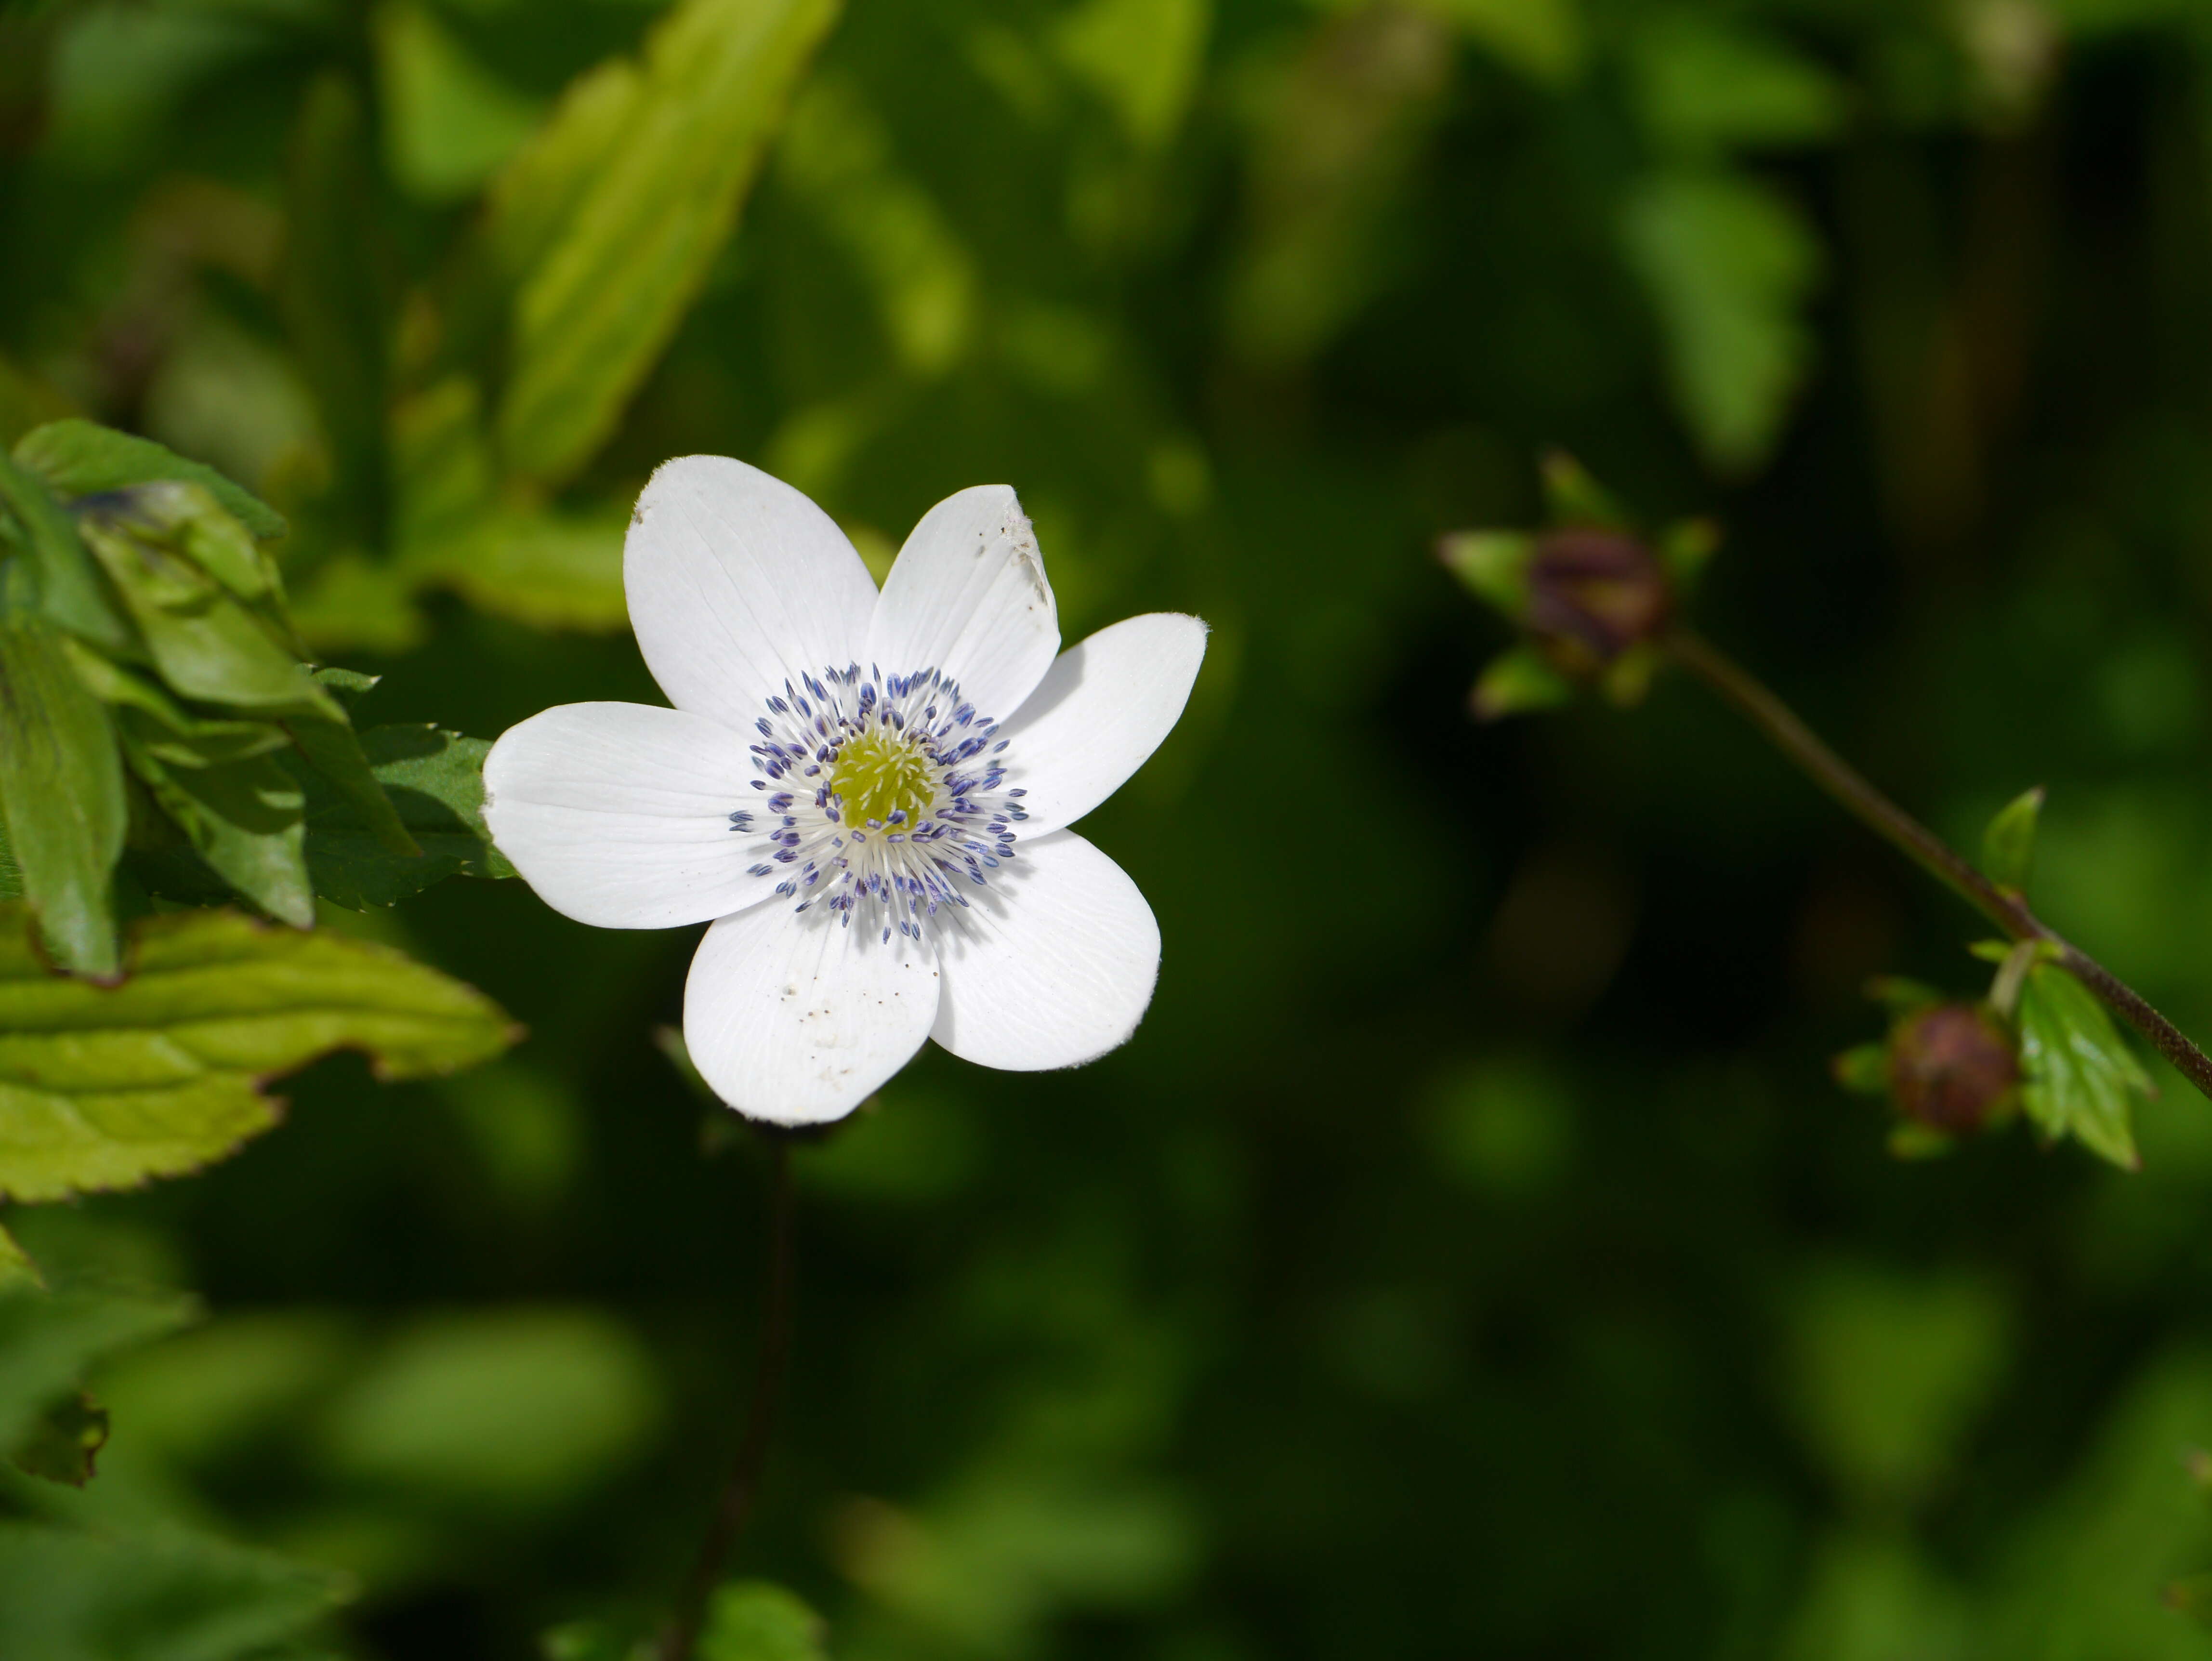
{"points": [[737, 583], [618, 814], [795, 1018], [968, 595], [1049, 966], [1100, 711]]}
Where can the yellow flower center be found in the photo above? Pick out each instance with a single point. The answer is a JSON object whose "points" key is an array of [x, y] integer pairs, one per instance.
{"points": [[879, 774]]}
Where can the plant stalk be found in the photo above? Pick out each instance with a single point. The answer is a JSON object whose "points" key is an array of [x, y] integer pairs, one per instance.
{"points": [[2004, 907], [681, 1636]]}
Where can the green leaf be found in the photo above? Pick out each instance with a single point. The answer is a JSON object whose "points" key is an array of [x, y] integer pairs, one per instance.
{"points": [[2009, 845], [754, 1621], [334, 750], [1493, 565], [82, 458], [65, 1441], [434, 782], [596, 311], [346, 687], [104, 1088], [153, 1596], [537, 193], [1142, 57], [246, 818], [155, 542], [63, 580], [61, 794], [1519, 681], [1864, 1070], [1729, 264], [2080, 1078]]}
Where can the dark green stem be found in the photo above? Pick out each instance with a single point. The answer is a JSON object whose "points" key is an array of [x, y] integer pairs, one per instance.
{"points": [[2004, 907], [681, 1636]]}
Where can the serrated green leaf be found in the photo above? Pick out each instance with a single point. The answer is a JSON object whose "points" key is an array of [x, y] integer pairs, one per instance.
{"points": [[61, 794], [1493, 566], [1730, 264], [64, 1441], [333, 749], [82, 457], [105, 1087], [2009, 845], [2080, 1078], [154, 1596], [434, 782], [1518, 680], [64, 580], [204, 638], [596, 309], [755, 1621]]}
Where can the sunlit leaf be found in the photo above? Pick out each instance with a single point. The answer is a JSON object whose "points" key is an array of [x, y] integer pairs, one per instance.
{"points": [[1518, 680], [1492, 564], [1730, 264], [61, 794], [596, 311], [82, 457], [434, 782], [2081, 1078], [104, 1088]]}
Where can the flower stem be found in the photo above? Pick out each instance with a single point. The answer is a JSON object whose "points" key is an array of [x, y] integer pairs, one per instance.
{"points": [[2005, 907], [681, 1636]]}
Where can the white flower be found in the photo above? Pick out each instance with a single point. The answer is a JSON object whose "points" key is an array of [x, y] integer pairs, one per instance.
{"points": [[868, 793]]}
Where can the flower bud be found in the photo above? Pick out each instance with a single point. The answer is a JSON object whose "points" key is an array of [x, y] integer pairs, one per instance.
{"points": [[1954, 1066], [1593, 594]]}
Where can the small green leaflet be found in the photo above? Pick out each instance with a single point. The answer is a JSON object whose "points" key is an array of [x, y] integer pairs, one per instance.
{"points": [[62, 583], [2081, 1078], [104, 1088], [433, 781], [2009, 845], [82, 458]]}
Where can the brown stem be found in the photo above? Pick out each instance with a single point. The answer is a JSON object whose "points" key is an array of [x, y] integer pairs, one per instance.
{"points": [[2004, 907], [681, 1636]]}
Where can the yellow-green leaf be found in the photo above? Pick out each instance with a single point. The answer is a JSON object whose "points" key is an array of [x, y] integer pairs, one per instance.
{"points": [[596, 311], [2081, 1078], [105, 1087]]}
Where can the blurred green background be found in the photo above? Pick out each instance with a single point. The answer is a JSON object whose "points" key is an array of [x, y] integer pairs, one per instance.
{"points": [[1469, 1257]]}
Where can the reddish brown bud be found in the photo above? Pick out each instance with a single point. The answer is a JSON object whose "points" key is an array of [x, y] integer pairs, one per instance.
{"points": [[1951, 1067], [1592, 595]]}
